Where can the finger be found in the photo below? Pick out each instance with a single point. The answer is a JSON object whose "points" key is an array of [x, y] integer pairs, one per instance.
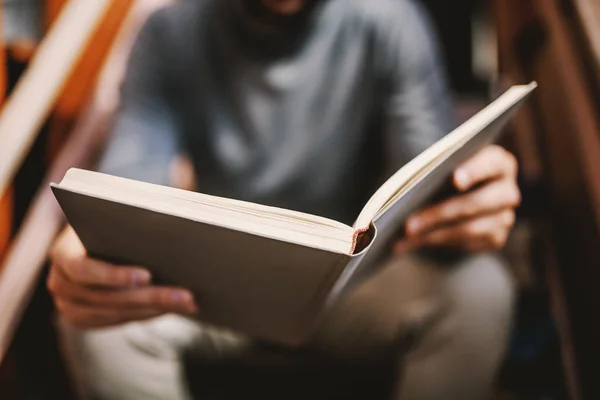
{"points": [[498, 195], [94, 317], [491, 163], [156, 297], [88, 271], [485, 233], [404, 245], [488, 232], [182, 174]]}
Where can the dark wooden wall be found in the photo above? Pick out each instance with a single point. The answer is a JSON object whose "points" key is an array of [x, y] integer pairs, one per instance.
{"points": [[543, 40]]}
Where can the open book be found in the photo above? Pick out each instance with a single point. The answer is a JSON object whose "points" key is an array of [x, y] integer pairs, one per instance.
{"points": [[265, 271]]}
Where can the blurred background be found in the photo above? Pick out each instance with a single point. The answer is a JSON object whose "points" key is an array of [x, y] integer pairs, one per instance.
{"points": [[59, 92]]}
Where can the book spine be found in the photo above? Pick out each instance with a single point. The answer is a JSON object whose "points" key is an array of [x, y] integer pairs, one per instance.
{"points": [[361, 239]]}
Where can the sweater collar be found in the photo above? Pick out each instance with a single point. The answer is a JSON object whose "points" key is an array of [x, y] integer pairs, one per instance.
{"points": [[252, 26]]}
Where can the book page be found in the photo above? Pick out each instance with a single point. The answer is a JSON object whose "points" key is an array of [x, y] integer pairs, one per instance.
{"points": [[292, 226], [393, 187]]}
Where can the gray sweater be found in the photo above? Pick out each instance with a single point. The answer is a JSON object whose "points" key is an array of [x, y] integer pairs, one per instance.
{"points": [[309, 115], [21, 19]]}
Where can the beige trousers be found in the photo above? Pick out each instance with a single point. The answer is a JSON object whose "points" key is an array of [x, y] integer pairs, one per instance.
{"points": [[444, 326]]}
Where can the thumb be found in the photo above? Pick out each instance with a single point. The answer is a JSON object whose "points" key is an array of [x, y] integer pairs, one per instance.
{"points": [[182, 173], [404, 245]]}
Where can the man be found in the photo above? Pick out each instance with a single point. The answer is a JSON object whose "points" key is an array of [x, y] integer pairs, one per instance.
{"points": [[304, 105]]}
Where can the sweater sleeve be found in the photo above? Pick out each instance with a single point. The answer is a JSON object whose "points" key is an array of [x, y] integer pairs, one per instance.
{"points": [[416, 105], [144, 136]]}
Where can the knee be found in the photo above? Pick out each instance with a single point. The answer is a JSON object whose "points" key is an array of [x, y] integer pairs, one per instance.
{"points": [[472, 291], [481, 294], [486, 286], [464, 347]]}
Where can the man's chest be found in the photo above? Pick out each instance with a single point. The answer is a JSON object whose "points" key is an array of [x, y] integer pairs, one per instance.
{"points": [[299, 112]]}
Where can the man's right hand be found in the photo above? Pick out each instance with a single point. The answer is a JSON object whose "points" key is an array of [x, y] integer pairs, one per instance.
{"points": [[93, 294]]}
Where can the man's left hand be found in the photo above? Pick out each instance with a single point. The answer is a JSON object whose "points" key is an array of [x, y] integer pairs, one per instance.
{"points": [[480, 217]]}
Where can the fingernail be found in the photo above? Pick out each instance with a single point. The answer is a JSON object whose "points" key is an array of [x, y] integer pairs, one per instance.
{"points": [[180, 297], [462, 179], [193, 308], [413, 226], [139, 278]]}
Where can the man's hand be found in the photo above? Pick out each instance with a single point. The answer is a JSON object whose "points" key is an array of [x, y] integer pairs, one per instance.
{"points": [[480, 217], [93, 294]]}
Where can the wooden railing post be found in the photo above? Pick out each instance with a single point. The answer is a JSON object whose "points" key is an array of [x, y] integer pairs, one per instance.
{"points": [[6, 208], [27, 254], [32, 99]]}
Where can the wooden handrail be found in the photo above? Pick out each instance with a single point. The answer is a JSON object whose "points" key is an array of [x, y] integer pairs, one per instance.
{"points": [[589, 15], [577, 98], [3, 76], [5, 198], [37, 90], [81, 81], [52, 9], [6, 209], [28, 251]]}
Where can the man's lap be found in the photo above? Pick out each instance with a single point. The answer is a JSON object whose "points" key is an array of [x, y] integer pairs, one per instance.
{"points": [[357, 348]]}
